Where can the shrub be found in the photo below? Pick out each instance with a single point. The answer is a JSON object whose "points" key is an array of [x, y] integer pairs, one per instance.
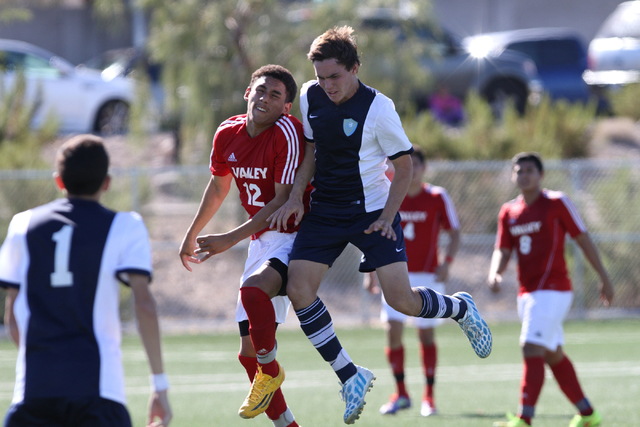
{"points": [[624, 102], [554, 129]]}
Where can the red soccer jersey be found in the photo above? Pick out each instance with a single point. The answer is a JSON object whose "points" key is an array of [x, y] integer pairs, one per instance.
{"points": [[537, 232], [258, 163], [422, 217]]}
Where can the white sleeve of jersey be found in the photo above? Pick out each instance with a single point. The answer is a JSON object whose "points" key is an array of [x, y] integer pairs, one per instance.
{"points": [[135, 255], [304, 110], [13, 252], [388, 127]]}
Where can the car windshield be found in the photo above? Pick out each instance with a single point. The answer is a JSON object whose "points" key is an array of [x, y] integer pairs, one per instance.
{"points": [[623, 22]]}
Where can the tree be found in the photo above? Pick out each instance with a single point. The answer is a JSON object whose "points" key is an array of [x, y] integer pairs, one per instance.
{"points": [[208, 50]]}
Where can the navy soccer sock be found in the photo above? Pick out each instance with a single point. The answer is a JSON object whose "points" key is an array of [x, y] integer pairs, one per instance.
{"points": [[317, 325], [437, 305]]}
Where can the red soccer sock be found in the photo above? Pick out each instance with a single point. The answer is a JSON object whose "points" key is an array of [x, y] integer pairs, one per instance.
{"points": [[396, 360], [568, 381], [262, 324], [278, 405], [429, 355], [531, 386]]}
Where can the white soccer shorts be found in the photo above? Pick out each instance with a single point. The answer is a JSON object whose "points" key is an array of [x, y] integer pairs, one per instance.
{"points": [[269, 245], [415, 279], [542, 314]]}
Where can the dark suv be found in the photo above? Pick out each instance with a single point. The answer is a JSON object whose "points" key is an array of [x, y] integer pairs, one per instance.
{"points": [[559, 54], [498, 76]]}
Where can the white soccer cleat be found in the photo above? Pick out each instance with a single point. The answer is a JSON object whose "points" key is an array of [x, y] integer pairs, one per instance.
{"points": [[428, 408], [474, 327], [353, 392]]}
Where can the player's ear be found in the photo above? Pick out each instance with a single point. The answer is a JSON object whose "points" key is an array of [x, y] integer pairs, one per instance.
{"points": [[106, 183], [287, 107], [246, 93], [58, 180]]}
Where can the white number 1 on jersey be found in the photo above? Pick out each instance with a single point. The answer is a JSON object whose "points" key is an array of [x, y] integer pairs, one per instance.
{"points": [[61, 276]]}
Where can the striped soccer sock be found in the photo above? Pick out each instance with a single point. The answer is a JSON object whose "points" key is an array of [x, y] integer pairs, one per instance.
{"points": [[317, 325]]}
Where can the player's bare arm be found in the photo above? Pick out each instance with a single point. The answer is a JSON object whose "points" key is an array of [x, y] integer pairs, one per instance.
{"points": [[213, 244], [9, 317], [591, 252], [499, 262], [442, 272], [213, 196], [397, 192], [293, 205], [145, 307]]}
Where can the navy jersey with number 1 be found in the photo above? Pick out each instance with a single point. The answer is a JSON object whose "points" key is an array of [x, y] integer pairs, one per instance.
{"points": [[67, 258]]}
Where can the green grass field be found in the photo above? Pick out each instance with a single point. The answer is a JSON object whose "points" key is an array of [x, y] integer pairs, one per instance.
{"points": [[208, 383]]}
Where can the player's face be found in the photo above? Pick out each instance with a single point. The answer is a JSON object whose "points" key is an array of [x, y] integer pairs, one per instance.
{"points": [[266, 101], [527, 176], [418, 171], [338, 83]]}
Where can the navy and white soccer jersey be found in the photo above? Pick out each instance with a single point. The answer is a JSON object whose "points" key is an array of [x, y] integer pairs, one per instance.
{"points": [[65, 258], [352, 142]]}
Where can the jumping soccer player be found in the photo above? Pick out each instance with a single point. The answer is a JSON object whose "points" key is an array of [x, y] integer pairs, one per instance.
{"points": [[61, 263], [535, 224], [352, 128], [425, 211], [260, 150]]}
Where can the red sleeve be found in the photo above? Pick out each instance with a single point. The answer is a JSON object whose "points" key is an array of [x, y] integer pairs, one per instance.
{"points": [[448, 211], [503, 237], [569, 217], [290, 149], [218, 164]]}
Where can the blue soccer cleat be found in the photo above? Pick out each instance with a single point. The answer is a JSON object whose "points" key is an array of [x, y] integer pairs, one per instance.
{"points": [[474, 327], [353, 392]]}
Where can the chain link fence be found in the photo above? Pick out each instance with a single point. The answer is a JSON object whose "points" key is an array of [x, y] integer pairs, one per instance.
{"points": [[607, 194]]}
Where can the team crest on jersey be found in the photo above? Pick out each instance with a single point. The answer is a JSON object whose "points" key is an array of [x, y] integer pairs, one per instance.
{"points": [[349, 126], [232, 158]]}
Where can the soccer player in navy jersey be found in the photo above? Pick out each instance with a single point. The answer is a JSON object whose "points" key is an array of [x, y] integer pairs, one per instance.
{"points": [[260, 151], [350, 131], [534, 225], [61, 263]]}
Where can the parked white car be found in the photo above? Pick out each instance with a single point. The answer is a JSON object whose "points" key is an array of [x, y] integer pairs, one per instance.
{"points": [[81, 99], [614, 53]]}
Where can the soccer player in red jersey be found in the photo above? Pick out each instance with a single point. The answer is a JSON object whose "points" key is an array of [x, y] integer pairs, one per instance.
{"points": [[425, 211], [260, 150], [534, 225]]}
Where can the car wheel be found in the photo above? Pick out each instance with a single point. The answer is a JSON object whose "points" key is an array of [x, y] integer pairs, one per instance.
{"points": [[113, 118], [500, 93]]}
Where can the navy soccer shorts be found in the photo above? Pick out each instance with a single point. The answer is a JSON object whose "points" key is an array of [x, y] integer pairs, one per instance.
{"points": [[87, 411], [322, 238]]}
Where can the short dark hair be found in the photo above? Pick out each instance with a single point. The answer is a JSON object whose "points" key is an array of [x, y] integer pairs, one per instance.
{"points": [[529, 156], [278, 72], [337, 43], [419, 154], [82, 163]]}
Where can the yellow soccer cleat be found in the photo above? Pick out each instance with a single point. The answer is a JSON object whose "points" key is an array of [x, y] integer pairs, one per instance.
{"points": [[261, 393]]}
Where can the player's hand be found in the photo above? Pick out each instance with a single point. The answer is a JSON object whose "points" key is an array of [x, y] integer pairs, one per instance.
{"points": [[370, 283], [384, 227], [159, 410], [187, 253], [442, 272], [494, 282], [606, 292], [278, 220], [212, 244]]}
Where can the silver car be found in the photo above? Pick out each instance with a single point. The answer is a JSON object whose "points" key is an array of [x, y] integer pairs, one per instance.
{"points": [[79, 98], [614, 53]]}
